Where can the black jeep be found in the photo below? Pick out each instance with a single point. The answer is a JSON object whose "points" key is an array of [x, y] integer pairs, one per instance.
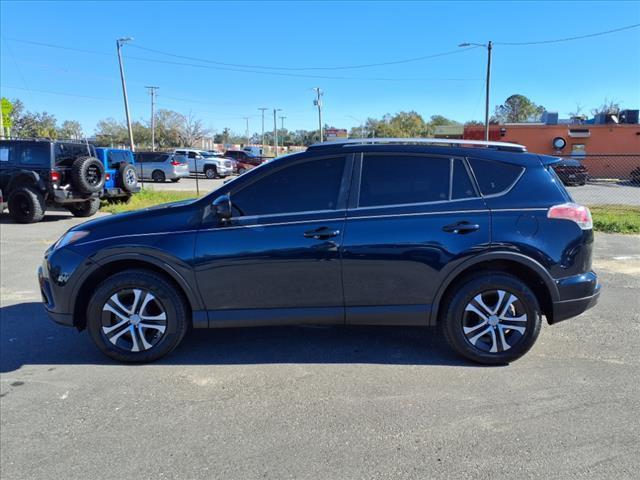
{"points": [[36, 174]]}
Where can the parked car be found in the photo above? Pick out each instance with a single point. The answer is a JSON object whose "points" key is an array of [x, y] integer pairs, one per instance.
{"points": [[121, 179], [255, 151], [38, 174], [161, 166], [245, 160], [211, 164], [571, 171], [477, 237]]}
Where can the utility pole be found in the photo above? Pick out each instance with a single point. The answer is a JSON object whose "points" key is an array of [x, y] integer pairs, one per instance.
{"points": [[119, 43], [282, 128], [1, 121], [275, 129], [247, 131], [489, 47], [318, 103], [152, 91], [262, 109]]}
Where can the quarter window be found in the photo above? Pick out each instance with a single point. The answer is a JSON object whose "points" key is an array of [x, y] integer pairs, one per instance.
{"points": [[494, 177], [462, 187], [302, 187], [397, 180]]}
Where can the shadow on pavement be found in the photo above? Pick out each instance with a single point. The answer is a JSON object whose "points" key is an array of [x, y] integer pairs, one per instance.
{"points": [[5, 218], [28, 337]]}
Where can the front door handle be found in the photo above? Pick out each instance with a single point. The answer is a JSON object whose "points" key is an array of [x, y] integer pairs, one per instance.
{"points": [[322, 233], [461, 228]]}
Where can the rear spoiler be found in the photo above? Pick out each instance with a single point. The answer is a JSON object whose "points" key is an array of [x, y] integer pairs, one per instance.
{"points": [[547, 160]]}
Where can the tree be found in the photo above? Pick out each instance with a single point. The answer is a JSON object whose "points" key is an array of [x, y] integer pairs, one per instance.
{"points": [[439, 121], [608, 107], [111, 132], [168, 124], [191, 130], [34, 124], [71, 129], [518, 109]]}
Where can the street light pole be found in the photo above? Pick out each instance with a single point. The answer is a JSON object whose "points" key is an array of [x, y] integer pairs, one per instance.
{"points": [[275, 129], [119, 43], [262, 109], [152, 91], [318, 103], [247, 131], [489, 47]]}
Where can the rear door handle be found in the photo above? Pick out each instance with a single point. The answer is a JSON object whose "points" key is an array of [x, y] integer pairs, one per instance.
{"points": [[322, 233], [461, 228]]}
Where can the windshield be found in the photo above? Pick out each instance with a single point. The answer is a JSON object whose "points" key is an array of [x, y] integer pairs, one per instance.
{"points": [[208, 154]]}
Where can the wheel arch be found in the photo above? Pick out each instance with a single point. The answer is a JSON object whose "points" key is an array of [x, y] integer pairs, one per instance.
{"points": [[526, 269], [105, 269], [24, 178]]}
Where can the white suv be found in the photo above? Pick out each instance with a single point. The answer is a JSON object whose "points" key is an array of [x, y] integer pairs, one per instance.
{"points": [[201, 161]]}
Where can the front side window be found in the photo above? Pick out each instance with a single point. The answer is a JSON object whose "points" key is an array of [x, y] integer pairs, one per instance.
{"points": [[306, 186], [398, 180]]}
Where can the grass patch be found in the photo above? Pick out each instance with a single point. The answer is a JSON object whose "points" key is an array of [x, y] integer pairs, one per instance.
{"points": [[146, 198], [616, 218], [606, 218]]}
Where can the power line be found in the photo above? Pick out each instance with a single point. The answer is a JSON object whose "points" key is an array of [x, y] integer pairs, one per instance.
{"points": [[568, 39]]}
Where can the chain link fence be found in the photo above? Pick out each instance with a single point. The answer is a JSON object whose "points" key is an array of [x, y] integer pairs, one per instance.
{"points": [[602, 179]]}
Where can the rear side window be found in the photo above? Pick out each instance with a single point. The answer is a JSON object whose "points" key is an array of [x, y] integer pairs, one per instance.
{"points": [[118, 157], [302, 187], [68, 152], [397, 180], [33, 154], [495, 177]]}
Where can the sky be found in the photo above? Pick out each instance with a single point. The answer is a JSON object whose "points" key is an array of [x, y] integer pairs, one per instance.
{"points": [[284, 49]]}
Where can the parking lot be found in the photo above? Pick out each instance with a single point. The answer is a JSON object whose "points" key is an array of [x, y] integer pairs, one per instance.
{"points": [[318, 402]]}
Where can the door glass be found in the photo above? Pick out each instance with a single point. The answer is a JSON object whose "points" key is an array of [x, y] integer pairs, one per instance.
{"points": [[397, 180], [494, 177], [307, 186]]}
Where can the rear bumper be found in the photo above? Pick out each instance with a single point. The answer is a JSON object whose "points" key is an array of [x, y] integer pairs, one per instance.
{"points": [[118, 192], [578, 294], [65, 196]]}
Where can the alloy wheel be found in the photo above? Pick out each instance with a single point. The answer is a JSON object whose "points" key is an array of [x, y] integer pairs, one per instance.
{"points": [[133, 320], [130, 177], [494, 321]]}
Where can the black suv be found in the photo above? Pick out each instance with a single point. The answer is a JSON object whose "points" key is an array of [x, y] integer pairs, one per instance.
{"points": [[480, 238], [35, 174]]}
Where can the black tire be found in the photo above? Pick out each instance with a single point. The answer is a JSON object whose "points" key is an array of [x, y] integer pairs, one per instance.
{"points": [[26, 205], [158, 176], [210, 172], [166, 298], [85, 209], [455, 316], [127, 177], [175, 180], [241, 170], [87, 174]]}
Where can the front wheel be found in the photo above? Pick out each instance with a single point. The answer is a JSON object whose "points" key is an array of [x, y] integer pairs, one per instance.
{"points": [[210, 172], [136, 316], [493, 318], [26, 205]]}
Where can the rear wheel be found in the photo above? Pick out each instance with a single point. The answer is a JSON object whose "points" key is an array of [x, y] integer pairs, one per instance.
{"points": [[26, 205], [85, 209], [493, 319], [158, 176], [136, 316], [241, 170]]}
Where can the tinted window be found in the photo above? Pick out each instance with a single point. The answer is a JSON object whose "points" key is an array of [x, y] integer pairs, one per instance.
{"points": [[118, 157], [149, 157], [4, 153], [462, 187], [494, 177], [396, 180], [306, 186], [33, 154], [68, 152]]}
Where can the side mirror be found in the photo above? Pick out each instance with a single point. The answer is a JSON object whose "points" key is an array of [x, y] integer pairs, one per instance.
{"points": [[221, 207]]}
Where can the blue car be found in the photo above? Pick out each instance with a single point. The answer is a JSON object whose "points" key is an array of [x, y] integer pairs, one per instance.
{"points": [[121, 180]]}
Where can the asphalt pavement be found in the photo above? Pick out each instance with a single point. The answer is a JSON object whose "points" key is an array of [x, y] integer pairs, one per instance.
{"points": [[318, 403]]}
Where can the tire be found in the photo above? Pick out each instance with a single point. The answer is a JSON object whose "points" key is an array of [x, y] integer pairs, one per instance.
{"points": [[158, 176], [463, 327], [127, 177], [117, 343], [241, 170], [85, 209], [175, 180], [211, 172], [87, 174], [26, 205]]}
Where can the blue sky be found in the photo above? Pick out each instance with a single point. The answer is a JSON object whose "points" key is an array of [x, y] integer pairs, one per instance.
{"points": [[310, 34]]}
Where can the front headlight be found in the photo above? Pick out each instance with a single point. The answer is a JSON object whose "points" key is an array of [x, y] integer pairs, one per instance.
{"points": [[70, 237]]}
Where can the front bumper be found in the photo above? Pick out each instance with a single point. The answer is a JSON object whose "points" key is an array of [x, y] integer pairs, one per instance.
{"points": [[577, 294]]}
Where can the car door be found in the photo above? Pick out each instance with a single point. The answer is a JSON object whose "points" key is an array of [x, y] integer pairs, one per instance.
{"points": [[277, 260], [413, 217]]}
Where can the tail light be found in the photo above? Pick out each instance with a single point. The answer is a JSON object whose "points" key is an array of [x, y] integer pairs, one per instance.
{"points": [[574, 212], [107, 177], [175, 164], [54, 176]]}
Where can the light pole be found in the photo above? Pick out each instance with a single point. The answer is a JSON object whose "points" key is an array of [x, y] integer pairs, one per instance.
{"points": [[275, 129], [489, 47], [119, 43], [262, 110], [152, 91], [247, 130], [318, 103]]}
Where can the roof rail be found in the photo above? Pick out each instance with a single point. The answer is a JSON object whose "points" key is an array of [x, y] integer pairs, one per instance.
{"points": [[446, 142]]}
